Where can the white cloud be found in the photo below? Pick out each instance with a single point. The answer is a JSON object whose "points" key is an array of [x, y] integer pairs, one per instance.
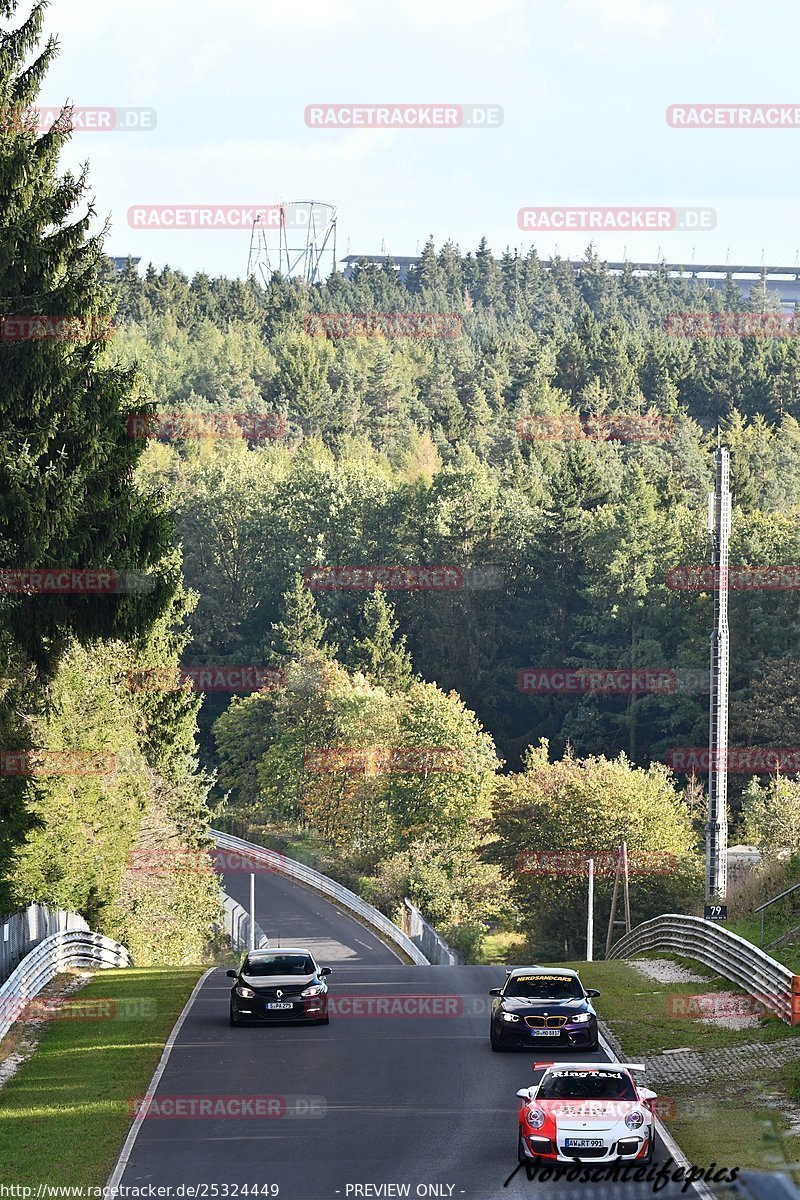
{"points": [[600, 24]]}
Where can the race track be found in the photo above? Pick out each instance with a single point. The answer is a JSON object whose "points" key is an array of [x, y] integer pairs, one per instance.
{"points": [[417, 1102]]}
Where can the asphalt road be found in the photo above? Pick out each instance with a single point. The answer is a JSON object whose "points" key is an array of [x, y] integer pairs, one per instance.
{"points": [[366, 1101]]}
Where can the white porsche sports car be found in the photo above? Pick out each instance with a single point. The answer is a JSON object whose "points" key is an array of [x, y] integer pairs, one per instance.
{"points": [[586, 1112]]}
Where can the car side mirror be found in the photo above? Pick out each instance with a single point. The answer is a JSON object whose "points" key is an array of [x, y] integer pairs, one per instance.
{"points": [[524, 1093], [646, 1095], [495, 991], [325, 971], [592, 992], [231, 974]]}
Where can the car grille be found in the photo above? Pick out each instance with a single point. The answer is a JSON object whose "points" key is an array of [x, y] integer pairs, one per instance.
{"points": [[586, 1152], [545, 1022], [288, 993]]}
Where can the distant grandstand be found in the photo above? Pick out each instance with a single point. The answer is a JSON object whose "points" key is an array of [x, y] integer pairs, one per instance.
{"points": [[119, 263], [781, 281]]}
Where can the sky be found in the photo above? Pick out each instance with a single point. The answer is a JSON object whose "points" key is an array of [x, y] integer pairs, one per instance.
{"points": [[584, 87]]}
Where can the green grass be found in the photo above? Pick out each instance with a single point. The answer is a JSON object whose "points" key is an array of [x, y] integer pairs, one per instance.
{"points": [[734, 1121], [749, 927], [501, 948], [64, 1116]]}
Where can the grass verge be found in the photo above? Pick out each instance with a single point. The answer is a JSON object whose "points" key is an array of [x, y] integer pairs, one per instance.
{"points": [[64, 1116]]}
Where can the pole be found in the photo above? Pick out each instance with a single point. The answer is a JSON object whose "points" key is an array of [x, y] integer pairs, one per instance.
{"points": [[252, 911], [614, 895], [590, 917], [717, 825], [626, 892]]}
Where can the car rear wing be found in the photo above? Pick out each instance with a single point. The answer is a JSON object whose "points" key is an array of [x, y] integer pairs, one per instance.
{"points": [[593, 1066]]}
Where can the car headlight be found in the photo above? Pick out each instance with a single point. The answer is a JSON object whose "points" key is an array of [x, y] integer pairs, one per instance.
{"points": [[315, 990], [535, 1118], [245, 992], [510, 1016], [634, 1119], [581, 1018]]}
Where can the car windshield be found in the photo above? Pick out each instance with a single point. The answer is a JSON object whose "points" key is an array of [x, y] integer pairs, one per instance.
{"points": [[279, 964], [586, 1085], [545, 987]]}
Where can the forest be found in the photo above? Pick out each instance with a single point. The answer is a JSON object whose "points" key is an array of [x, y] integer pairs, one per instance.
{"points": [[390, 574]]}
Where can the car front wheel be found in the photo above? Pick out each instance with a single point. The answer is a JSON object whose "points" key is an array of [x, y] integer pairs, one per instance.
{"points": [[234, 1020], [495, 1041]]}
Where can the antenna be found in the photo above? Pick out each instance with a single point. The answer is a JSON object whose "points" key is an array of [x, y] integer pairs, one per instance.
{"points": [[717, 826]]}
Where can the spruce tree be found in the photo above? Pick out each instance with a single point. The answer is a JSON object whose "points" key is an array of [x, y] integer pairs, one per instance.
{"points": [[382, 654], [303, 629], [67, 497]]}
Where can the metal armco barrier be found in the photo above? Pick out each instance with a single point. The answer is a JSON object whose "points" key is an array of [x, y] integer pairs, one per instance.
{"points": [[280, 864], [237, 926], [424, 936], [769, 982], [57, 953], [24, 929]]}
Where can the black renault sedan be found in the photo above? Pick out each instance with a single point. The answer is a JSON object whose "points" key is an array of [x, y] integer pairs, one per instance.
{"points": [[279, 985], [543, 1006]]}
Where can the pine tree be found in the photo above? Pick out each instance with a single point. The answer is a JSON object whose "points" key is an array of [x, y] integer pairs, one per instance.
{"points": [[66, 459], [303, 628], [383, 655]]}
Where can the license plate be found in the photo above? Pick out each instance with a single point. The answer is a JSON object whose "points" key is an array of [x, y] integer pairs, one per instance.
{"points": [[584, 1143], [279, 1006], [545, 1032]]}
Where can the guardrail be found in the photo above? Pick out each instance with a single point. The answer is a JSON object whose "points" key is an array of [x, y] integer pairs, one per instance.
{"points": [[237, 926], [280, 864], [423, 935], [768, 981], [22, 930], [56, 953]]}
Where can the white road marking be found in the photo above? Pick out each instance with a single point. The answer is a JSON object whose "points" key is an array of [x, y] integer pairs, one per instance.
{"points": [[138, 1121]]}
